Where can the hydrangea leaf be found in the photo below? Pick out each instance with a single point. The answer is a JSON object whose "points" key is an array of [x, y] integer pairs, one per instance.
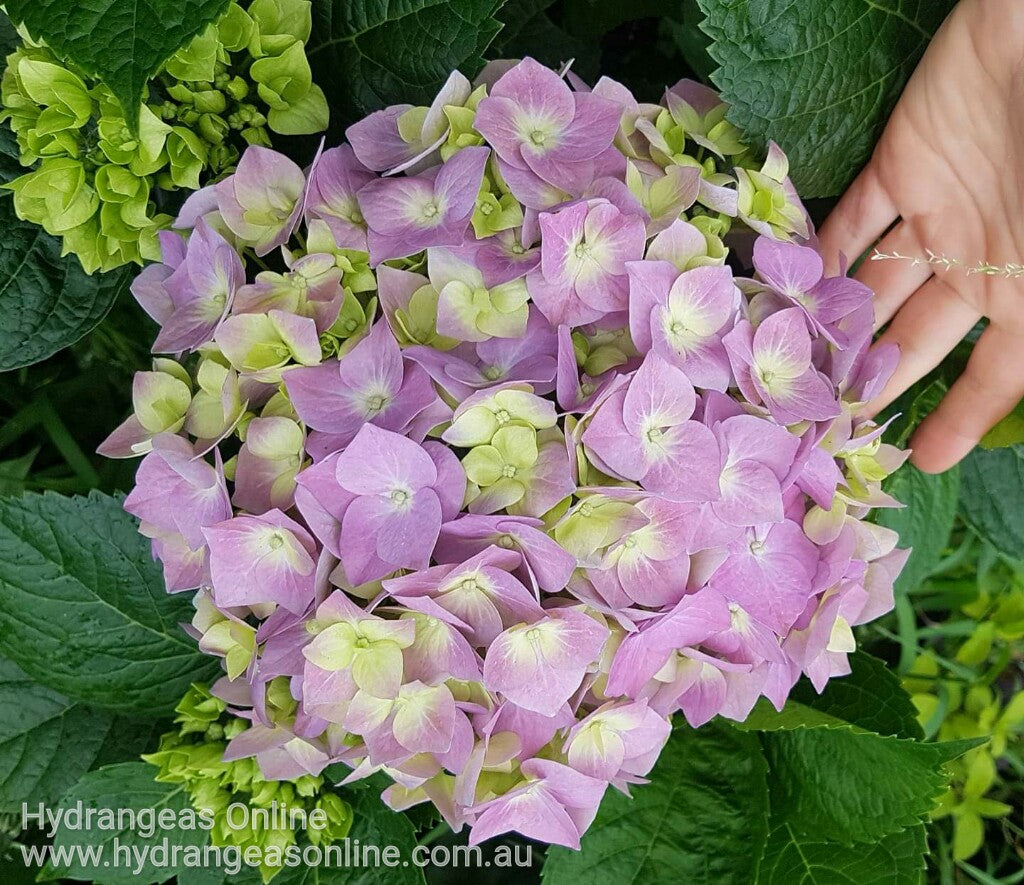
{"points": [[870, 698], [792, 859], [850, 785], [373, 824], [911, 408], [123, 42], [993, 496], [529, 29], [47, 302], [847, 764], [656, 837], [129, 785], [1007, 432], [926, 520], [9, 38], [821, 86], [83, 609], [14, 472], [370, 53], [47, 741]]}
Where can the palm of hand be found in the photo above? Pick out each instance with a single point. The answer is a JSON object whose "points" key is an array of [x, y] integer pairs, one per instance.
{"points": [[950, 168]]}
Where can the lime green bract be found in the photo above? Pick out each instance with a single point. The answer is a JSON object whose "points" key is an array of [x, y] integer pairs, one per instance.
{"points": [[97, 184]]}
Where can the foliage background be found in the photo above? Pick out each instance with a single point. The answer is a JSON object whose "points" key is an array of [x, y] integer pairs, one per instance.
{"points": [[819, 84]]}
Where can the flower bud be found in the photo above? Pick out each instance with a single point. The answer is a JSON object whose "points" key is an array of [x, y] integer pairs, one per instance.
{"points": [[211, 102]]}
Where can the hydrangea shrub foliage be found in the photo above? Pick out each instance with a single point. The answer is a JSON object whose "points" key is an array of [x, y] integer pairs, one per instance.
{"points": [[99, 178], [505, 431]]}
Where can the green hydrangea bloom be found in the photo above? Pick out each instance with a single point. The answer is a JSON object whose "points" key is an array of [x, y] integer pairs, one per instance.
{"points": [[95, 180], [496, 209], [192, 756], [460, 121]]}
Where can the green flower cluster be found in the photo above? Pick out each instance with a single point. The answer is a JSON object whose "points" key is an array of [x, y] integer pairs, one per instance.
{"points": [[964, 686], [96, 180], [193, 756]]}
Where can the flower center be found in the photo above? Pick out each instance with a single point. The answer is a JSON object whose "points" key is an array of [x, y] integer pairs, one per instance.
{"points": [[757, 547], [586, 509], [276, 541], [399, 496], [538, 137], [506, 541], [492, 373], [469, 585], [377, 402], [430, 210], [582, 250], [629, 542], [677, 328], [508, 471], [502, 416], [654, 434]]}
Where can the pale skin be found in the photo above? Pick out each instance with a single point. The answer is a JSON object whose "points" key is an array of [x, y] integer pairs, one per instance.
{"points": [[948, 176]]}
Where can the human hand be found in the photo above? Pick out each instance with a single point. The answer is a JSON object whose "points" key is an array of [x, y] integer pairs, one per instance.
{"points": [[948, 172]]}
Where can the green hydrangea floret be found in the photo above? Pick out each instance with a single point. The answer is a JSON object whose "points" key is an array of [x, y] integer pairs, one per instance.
{"points": [[99, 183], [192, 756]]}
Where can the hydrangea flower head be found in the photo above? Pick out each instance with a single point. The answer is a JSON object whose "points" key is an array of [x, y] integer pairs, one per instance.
{"points": [[509, 458]]}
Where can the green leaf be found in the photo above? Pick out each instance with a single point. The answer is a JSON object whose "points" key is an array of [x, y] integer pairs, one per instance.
{"points": [[691, 40], [119, 788], [992, 496], [211, 876], [792, 859], [1007, 432], [527, 29], [701, 819], [47, 741], [123, 42], [46, 302], [374, 824], [370, 53], [591, 19], [14, 472], [9, 39], [849, 785], [911, 408], [129, 737], [871, 697], [822, 86], [846, 765], [83, 607], [926, 520]]}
